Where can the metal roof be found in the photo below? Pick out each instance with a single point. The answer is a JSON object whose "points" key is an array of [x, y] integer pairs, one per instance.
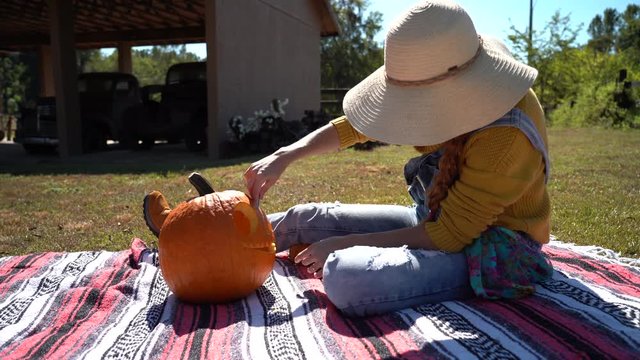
{"points": [[105, 23]]}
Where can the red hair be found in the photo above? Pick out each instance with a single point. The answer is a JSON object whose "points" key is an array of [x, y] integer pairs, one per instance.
{"points": [[448, 172]]}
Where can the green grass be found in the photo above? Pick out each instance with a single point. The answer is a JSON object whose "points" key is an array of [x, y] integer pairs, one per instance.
{"points": [[595, 188], [94, 202]]}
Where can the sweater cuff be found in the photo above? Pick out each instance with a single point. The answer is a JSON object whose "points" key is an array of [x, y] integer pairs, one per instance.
{"points": [[441, 238], [346, 133]]}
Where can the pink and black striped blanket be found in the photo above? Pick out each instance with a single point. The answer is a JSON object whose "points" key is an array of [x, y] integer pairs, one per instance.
{"points": [[102, 305]]}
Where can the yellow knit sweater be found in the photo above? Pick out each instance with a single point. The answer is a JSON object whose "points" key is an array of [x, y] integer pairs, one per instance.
{"points": [[501, 183]]}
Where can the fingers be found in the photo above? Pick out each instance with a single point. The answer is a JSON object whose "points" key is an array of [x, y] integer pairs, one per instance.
{"points": [[314, 266], [318, 274], [257, 190], [304, 257], [257, 182], [249, 181], [315, 271], [253, 188], [249, 178], [266, 185]]}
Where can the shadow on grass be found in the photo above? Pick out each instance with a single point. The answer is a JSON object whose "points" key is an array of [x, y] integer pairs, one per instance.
{"points": [[161, 158]]}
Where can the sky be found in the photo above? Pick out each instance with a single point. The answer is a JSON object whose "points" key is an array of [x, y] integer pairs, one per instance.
{"points": [[495, 17]]}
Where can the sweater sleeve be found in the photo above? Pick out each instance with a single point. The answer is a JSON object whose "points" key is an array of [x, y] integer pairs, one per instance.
{"points": [[347, 134], [499, 165]]}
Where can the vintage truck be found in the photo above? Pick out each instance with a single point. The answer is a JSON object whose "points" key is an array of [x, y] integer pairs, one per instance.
{"points": [[114, 107], [180, 113], [104, 98]]}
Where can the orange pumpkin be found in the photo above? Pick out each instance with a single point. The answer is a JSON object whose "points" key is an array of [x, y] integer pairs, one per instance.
{"points": [[216, 248]]}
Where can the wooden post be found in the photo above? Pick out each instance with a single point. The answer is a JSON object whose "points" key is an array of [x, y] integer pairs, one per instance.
{"points": [[45, 70], [530, 37], [66, 77], [125, 64], [211, 34]]}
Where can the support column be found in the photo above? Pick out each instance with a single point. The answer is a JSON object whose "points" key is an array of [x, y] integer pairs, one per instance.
{"points": [[45, 70], [66, 77], [211, 36], [125, 64]]}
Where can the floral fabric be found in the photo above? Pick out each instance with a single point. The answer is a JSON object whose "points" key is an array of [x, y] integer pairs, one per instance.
{"points": [[504, 264]]}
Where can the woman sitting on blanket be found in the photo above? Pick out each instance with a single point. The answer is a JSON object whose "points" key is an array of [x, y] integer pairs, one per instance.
{"points": [[482, 208]]}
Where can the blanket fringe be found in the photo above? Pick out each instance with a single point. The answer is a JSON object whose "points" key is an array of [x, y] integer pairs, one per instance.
{"points": [[597, 252]]}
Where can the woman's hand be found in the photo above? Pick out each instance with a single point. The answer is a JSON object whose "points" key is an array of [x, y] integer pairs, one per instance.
{"points": [[314, 256], [262, 174]]}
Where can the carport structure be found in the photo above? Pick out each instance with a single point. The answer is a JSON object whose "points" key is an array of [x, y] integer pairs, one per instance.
{"points": [[256, 49]]}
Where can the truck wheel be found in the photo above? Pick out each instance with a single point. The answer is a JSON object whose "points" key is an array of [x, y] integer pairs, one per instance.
{"points": [[173, 140], [195, 137], [135, 142], [144, 144], [94, 139], [135, 120]]}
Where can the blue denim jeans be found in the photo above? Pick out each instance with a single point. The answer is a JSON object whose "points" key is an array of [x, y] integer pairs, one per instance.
{"points": [[366, 280]]}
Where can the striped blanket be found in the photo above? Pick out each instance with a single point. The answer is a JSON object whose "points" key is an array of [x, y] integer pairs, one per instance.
{"points": [[100, 305]]}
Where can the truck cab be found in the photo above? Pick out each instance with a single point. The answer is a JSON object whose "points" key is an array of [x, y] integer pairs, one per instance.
{"points": [[104, 99], [179, 114]]}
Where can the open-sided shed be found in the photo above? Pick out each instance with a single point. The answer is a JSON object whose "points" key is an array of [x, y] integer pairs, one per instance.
{"points": [[256, 49]]}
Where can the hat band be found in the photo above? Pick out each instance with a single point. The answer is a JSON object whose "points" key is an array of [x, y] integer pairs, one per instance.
{"points": [[452, 71]]}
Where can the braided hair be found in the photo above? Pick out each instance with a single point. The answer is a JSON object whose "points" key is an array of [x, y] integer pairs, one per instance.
{"points": [[448, 172]]}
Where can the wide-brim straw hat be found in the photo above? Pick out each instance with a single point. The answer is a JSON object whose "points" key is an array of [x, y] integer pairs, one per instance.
{"points": [[440, 79]]}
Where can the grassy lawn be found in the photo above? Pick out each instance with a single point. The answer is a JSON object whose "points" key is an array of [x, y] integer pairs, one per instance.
{"points": [[94, 203]]}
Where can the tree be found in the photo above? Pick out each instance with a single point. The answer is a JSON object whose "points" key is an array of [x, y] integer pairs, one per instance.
{"points": [[617, 33], [614, 31], [86, 60], [629, 32], [604, 31], [592, 95], [577, 84], [551, 52], [150, 65], [13, 83], [348, 58]]}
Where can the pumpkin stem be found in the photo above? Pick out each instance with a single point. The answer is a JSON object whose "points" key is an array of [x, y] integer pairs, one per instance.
{"points": [[201, 184]]}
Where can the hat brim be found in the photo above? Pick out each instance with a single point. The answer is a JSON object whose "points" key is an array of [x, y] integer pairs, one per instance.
{"points": [[432, 114]]}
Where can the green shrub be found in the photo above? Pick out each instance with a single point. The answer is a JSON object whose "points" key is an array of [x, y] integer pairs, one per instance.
{"points": [[594, 106]]}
